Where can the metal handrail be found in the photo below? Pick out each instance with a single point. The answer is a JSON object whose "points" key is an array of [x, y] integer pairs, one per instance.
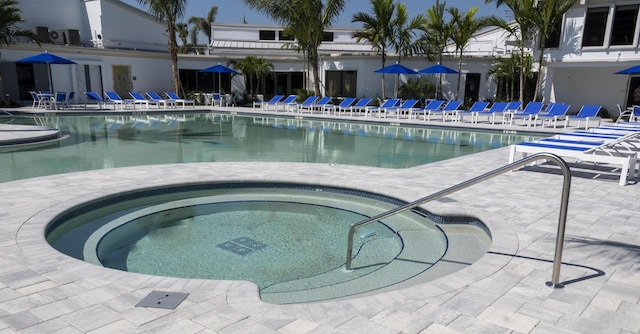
{"points": [[562, 219]]}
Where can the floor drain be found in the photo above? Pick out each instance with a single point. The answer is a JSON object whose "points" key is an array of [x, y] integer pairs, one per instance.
{"points": [[242, 246], [162, 299]]}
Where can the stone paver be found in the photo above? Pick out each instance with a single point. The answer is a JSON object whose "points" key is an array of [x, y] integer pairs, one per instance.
{"points": [[504, 292]]}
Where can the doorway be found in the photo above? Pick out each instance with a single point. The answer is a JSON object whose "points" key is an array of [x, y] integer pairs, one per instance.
{"points": [[122, 80], [471, 88], [633, 93]]}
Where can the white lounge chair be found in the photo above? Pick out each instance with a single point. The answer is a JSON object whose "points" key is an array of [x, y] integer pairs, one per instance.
{"points": [[581, 153], [431, 105], [180, 100], [586, 113]]}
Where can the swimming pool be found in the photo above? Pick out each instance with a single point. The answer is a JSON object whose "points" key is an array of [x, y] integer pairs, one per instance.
{"points": [[288, 239], [110, 141]]}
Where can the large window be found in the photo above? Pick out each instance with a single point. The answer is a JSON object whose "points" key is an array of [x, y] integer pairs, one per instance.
{"points": [[341, 83], [595, 26], [554, 38], [624, 25], [267, 35]]}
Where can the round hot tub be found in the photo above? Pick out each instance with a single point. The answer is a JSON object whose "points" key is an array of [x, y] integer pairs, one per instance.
{"points": [[288, 239]]}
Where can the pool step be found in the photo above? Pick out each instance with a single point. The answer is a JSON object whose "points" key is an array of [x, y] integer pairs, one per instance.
{"points": [[414, 265], [411, 261]]}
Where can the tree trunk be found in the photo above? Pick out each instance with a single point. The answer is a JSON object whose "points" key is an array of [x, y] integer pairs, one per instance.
{"points": [[173, 52], [384, 60], [522, 70], [539, 79]]}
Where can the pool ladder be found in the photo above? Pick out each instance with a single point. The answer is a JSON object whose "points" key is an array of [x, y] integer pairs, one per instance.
{"points": [[562, 219]]}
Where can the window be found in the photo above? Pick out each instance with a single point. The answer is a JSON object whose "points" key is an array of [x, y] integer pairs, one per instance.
{"points": [[284, 37], [624, 25], [267, 35], [341, 83], [328, 36], [554, 38], [594, 26]]}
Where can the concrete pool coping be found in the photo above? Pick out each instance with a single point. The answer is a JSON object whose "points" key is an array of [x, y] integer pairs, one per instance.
{"points": [[42, 290]]}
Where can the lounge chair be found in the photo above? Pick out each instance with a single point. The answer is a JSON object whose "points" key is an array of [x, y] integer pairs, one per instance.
{"points": [[390, 103], [155, 97], [431, 105], [263, 104], [476, 107], [449, 109], [138, 98], [283, 103], [496, 109], [359, 106], [305, 105], [321, 104], [527, 114], [587, 113], [93, 96], [114, 98], [345, 104], [512, 108], [405, 107], [581, 153], [173, 96], [556, 112]]}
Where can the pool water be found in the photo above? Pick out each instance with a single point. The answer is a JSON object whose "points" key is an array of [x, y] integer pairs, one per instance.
{"points": [[291, 241], [110, 141]]}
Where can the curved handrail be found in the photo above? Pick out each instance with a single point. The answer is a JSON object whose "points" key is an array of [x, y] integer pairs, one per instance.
{"points": [[562, 219]]}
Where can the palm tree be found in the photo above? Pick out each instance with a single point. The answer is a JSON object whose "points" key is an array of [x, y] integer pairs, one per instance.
{"points": [[204, 24], [436, 34], [463, 28], [506, 69], [10, 20], [524, 13], [304, 20], [377, 29], [549, 19], [403, 34], [253, 67], [183, 32], [169, 12]]}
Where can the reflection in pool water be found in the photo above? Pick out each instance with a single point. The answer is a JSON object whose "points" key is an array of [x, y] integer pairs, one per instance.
{"points": [[99, 142]]}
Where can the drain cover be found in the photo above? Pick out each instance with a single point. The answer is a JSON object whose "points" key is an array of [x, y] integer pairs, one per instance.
{"points": [[162, 299], [242, 245]]}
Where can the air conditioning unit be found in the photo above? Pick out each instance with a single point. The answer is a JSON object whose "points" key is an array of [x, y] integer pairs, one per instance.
{"points": [[72, 37], [56, 36], [43, 33]]}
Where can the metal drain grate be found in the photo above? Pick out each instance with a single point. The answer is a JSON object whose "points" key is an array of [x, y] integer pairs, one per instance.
{"points": [[162, 299], [242, 245]]}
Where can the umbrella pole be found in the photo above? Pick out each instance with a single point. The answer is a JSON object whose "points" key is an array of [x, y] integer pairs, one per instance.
{"points": [[50, 79]]}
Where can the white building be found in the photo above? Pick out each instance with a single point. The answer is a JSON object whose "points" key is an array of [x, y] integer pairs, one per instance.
{"points": [[118, 47]]}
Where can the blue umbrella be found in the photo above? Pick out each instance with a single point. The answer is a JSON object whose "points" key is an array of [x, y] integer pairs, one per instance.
{"points": [[396, 69], [437, 69], [630, 70], [46, 58], [219, 69]]}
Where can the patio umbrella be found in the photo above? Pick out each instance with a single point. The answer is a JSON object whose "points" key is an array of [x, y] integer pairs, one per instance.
{"points": [[437, 69], [219, 69], [46, 58], [630, 70], [396, 69]]}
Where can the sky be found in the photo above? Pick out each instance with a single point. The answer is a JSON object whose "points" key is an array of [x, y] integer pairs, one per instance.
{"points": [[234, 11]]}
